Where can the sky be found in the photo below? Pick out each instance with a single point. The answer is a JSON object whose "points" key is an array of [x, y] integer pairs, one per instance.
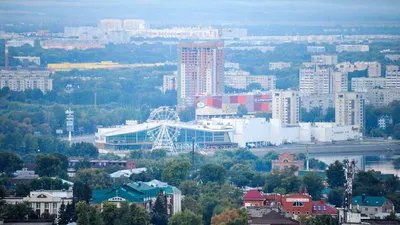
{"points": [[201, 12]]}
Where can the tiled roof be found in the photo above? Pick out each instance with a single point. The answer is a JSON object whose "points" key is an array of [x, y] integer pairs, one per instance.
{"points": [[322, 208], [253, 195], [370, 200]]}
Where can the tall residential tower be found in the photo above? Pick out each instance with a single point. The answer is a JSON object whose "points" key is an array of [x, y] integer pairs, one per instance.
{"points": [[200, 71], [286, 106]]}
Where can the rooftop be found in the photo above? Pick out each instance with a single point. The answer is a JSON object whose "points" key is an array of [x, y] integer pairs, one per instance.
{"points": [[370, 200]]}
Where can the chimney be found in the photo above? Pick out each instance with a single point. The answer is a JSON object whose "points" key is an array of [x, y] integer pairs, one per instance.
{"points": [[322, 201]]}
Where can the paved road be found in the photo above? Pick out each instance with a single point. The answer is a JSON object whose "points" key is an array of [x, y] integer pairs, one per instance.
{"points": [[364, 149]]}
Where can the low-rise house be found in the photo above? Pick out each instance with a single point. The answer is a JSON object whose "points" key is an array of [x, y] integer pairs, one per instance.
{"points": [[321, 207], [44, 200], [285, 161], [23, 179], [141, 193], [127, 173], [371, 205]]}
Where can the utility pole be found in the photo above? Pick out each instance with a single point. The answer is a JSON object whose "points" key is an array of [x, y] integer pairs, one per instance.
{"points": [[193, 157]]}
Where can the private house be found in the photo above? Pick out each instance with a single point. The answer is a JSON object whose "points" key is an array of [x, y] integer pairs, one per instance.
{"points": [[321, 207], [141, 193], [285, 161], [371, 205]]}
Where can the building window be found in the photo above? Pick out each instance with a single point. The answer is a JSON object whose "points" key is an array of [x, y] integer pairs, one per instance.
{"points": [[37, 205], [54, 205], [308, 212], [297, 204], [46, 205]]}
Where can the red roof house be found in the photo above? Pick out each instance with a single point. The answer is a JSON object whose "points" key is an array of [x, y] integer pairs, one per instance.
{"points": [[321, 207], [253, 198]]}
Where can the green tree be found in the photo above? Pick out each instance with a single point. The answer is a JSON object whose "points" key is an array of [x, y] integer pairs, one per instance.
{"points": [[140, 216], [191, 204], [336, 196], [159, 216], [212, 173], [313, 182], [231, 217], [82, 191], [17, 211], [30, 144], [321, 219], [87, 215], [335, 174], [366, 183], [291, 184], [208, 203], [51, 165], [175, 172], [190, 188], [9, 162], [185, 218], [22, 190], [95, 178], [242, 110], [83, 149], [62, 220]]}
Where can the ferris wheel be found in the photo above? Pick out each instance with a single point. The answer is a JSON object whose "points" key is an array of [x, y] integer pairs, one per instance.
{"points": [[164, 135]]}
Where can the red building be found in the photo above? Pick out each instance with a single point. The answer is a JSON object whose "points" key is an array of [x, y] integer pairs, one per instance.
{"points": [[297, 204], [287, 160], [321, 207], [253, 198]]}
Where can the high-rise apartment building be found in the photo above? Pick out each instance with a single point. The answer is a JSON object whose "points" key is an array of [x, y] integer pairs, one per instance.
{"points": [[324, 59], [240, 79], [321, 80], [364, 84], [200, 71], [134, 24], [316, 80], [349, 109], [169, 83], [392, 76], [286, 106], [382, 97], [110, 24]]}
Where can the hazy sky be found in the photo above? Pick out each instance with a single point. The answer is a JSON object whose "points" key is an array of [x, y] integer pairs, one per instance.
{"points": [[200, 11]]}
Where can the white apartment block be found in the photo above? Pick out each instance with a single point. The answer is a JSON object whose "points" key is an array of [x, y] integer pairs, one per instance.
{"points": [[169, 83], [393, 57], [382, 97], [20, 80], [286, 106], [240, 79], [110, 24], [352, 48], [324, 59], [321, 80], [32, 59], [318, 101], [392, 76], [231, 65], [374, 68], [315, 49], [44, 200], [134, 25], [279, 65], [349, 109], [364, 84]]}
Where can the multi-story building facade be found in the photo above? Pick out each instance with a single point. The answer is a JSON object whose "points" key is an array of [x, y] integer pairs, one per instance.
{"points": [[134, 24], [340, 82], [364, 84], [350, 109], [315, 49], [374, 68], [20, 80], [42, 201], [382, 97], [324, 59], [231, 65], [279, 65], [316, 80], [239, 79], [286, 106], [352, 48], [285, 161], [318, 101], [392, 76], [110, 24], [169, 82], [200, 71]]}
